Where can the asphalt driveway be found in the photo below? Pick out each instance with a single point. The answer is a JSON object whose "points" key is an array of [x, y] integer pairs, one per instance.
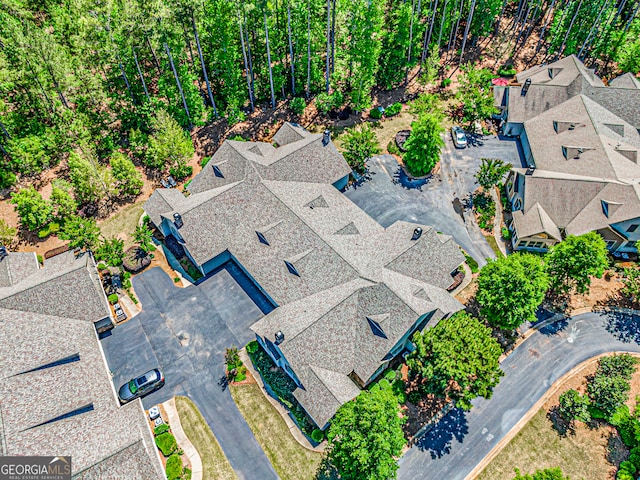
{"points": [[185, 331], [461, 440], [388, 195]]}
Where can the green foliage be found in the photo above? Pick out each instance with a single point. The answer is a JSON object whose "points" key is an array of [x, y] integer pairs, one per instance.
{"points": [[574, 407], [431, 66], [623, 365], [445, 82], [241, 374], [505, 233], [628, 426], [393, 56], [546, 474], [298, 105], [166, 442], [425, 103], [510, 289], [252, 346], [424, 144], [91, 181], [169, 145], [393, 110], [475, 93], [81, 232], [573, 261], [234, 115], [7, 233], [129, 180], [608, 393], [174, 467], [160, 429], [49, 229], [365, 436], [631, 283], [317, 435], [473, 265], [327, 102], [507, 70], [231, 358], [392, 147], [485, 207], [32, 209], [359, 145], [491, 172], [63, 204], [375, 113], [113, 298], [111, 251], [143, 237], [457, 358], [181, 171]]}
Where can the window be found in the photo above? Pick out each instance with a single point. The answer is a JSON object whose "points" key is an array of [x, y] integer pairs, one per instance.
{"points": [[610, 244], [632, 228], [517, 205]]}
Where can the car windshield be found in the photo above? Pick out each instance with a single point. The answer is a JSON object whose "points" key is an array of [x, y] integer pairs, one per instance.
{"points": [[461, 137], [133, 387]]}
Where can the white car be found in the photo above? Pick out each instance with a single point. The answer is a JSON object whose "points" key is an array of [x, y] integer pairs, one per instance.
{"points": [[459, 137]]}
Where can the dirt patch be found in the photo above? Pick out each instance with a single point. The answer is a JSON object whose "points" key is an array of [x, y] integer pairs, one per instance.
{"points": [[604, 291]]}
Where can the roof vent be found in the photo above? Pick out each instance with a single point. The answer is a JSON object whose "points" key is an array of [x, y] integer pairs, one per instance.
{"points": [[417, 233], [177, 219], [279, 337], [326, 138], [3, 252], [525, 88]]}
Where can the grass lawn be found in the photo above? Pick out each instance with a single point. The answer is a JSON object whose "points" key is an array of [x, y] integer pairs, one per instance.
{"points": [[538, 445], [494, 245], [385, 129], [215, 465], [123, 222], [290, 460]]}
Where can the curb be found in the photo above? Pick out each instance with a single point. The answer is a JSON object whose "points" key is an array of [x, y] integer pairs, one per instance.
{"points": [[182, 439]]}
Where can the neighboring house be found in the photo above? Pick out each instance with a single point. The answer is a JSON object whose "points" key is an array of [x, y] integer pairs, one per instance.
{"points": [[56, 394], [581, 145], [349, 293]]}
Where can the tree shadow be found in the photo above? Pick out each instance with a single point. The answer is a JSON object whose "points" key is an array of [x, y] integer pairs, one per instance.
{"points": [[438, 440], [624, 326], [560, 425], [555, 327], [326, 471]]}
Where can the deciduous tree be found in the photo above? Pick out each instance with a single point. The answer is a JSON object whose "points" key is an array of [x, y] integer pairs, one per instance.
{"points": [[81, 232], [457, 358], [510, 289], [360, 144], [574, 406], [124, 171], [169, 145], [111, 251], [424, 144], [7, 233], [32, 209], [491, 172], [143, 237], [365, 436]]}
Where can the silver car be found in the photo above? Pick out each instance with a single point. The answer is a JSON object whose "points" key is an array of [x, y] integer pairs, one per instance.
{"points": [[139, 387], [459, 137]]}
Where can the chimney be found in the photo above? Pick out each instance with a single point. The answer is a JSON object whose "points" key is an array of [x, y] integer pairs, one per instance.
{"points": [[416, 233], [326, 138], [525, 88], [279, 337], [177, 219]]}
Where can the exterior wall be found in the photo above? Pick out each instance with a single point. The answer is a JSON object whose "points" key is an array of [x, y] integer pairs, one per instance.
{"points": [[340, 184], [515, 182], [532, 244], [623, 229], [613, 239], [168, 228], [526, 148], [281, 361], [511, 129]]}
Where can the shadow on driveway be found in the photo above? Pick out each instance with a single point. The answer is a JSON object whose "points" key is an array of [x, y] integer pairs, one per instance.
{"points": [[437, 442]]}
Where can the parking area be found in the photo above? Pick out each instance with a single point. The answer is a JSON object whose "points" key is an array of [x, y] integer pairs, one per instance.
{"points": [[185, 331], [388, 195]]}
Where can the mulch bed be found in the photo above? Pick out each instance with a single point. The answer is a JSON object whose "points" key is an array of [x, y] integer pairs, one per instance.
{"points": [[136, 259], [401, 137]]}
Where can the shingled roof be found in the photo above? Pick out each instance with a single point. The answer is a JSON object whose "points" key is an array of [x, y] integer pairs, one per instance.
{"points": [[585, 156], [56, 396], [335, 273]]}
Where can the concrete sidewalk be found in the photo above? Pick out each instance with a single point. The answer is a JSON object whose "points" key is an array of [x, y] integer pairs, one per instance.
{"points": [[181, 438]]}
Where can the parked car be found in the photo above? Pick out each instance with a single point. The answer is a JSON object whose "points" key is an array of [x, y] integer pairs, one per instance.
{"points": [[459, 137], [141, 386]]}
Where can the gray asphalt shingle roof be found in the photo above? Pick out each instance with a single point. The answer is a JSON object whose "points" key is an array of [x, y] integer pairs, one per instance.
{"points": [[348, 266], [52, 366]]}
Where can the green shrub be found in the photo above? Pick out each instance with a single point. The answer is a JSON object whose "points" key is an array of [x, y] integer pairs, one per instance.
{"points": [[234, 115], [375, 113], [174, 467], [414, 397], [43, 233], [160, 429], [596, 413], [507, 71], [628, 466], [236, 138], [506, 233], [393, 110], [205, 160], [392, 147], [40, 259], [176, 279], [113, 298], [635, 459], [473, 265], [181, 171], [391, 375], [317, 435], [186, 474], [166, 442], [326, 102], [102, 266], [252, 346], [445, 82], [241, 374], [298, 105]]}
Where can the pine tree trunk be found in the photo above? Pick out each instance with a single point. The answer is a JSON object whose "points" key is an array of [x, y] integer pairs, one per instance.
{"points": [[204, 68], [592, 30], [4, 131], [564, 41], [253, 78], [497, 27], [144, 84], [466, 29], [57, 87], [455, 35], [333, 37], [433, 19], [292, 60], [153, 54], [328, 67], [424, 43], [175, 75], [246, 67], [451, 35], [546, 24], [635, 12], [266, 33], [124, 77], [413, 14], [308, 91], [444, 13]]}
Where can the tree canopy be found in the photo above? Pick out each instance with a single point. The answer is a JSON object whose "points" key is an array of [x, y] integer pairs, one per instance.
{"points": [[573, 261], [457, 358], [424, 144], [365, 437], [360, 144], [510, 289], [81, 232], [491, 172]]}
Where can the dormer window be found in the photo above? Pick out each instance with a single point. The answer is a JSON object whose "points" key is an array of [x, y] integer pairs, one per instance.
{"points": [[217, 172]]}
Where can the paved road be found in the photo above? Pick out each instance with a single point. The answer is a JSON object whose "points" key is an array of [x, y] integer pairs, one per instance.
{"points": [[461, 440], [185, 331], [389, 196]]}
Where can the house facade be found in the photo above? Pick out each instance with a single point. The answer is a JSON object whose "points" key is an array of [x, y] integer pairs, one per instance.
{"points": [[581, 146], [341, 294]]}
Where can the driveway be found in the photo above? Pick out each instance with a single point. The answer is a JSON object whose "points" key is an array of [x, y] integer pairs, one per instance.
{"points": [[185, 331], [462, 439], [389, 196]]}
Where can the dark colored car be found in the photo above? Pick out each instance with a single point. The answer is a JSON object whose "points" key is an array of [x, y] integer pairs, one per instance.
{"points": [[459, 137], [139, 387]]}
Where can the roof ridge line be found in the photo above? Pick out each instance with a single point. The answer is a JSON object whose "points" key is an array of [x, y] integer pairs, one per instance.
{"points": [[311, 367]]}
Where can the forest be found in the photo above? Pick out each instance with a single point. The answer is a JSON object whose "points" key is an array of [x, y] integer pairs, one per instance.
{"points": [[105, 85]]}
